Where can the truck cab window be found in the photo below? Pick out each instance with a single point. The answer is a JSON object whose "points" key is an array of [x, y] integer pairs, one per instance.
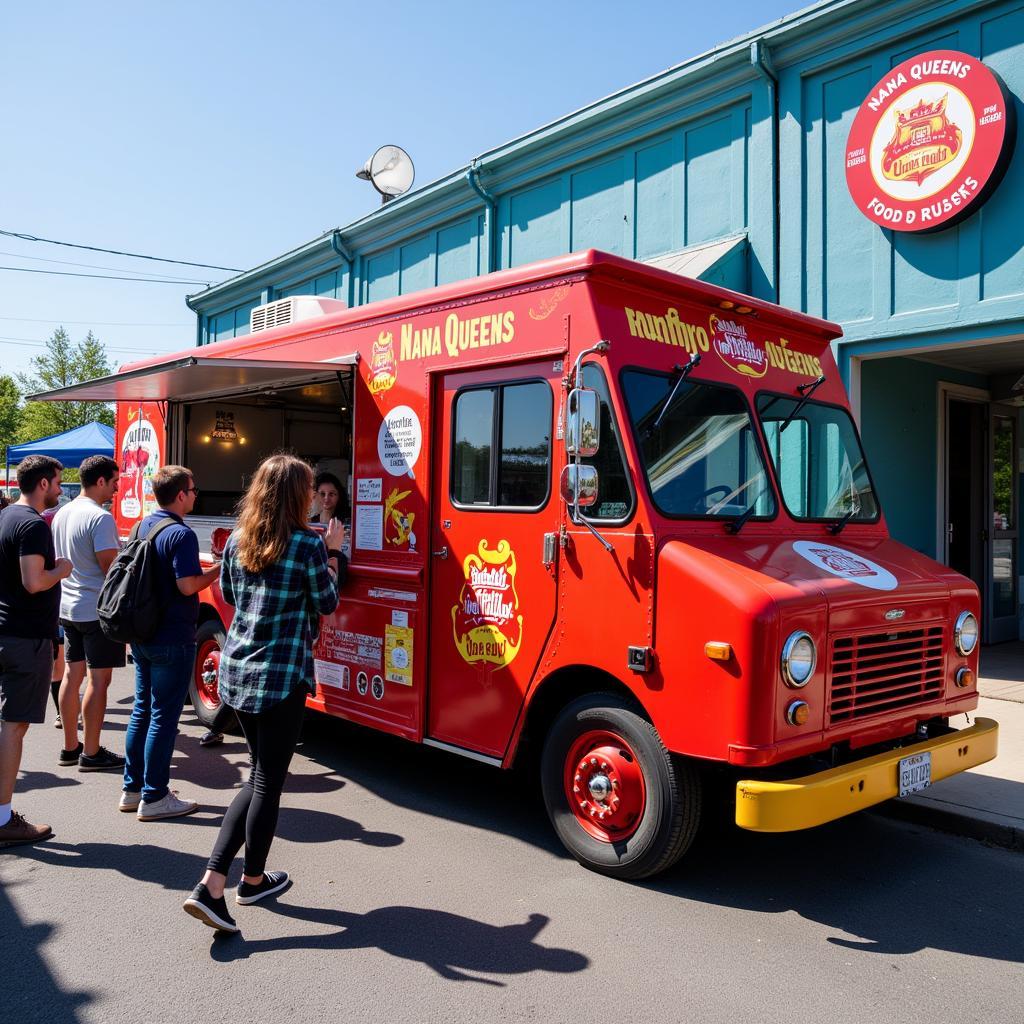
{"points": [[818, 460], [614, 497], [501, 437], [703, 458]]}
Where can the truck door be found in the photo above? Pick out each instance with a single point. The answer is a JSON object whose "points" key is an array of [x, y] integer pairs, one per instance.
{"points": [[492, 595]]}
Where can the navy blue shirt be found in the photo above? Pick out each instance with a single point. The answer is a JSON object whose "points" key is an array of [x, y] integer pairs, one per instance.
{"points": [[177, 552]]}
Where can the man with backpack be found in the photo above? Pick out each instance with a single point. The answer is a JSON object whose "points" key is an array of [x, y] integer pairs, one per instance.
{"points": [[164, 660], [85, 532]]}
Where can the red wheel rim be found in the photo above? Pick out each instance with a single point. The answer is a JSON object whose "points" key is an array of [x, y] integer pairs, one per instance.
{"points": [[206, 670], [604, 785]]}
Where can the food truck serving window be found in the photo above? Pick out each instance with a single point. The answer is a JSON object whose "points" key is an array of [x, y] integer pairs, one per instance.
{"points": [[501, 452], [818, 460], [698, 447]]}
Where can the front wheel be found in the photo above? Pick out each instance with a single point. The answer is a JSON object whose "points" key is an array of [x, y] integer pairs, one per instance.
{"points": [[202, 688], [617, 799]]}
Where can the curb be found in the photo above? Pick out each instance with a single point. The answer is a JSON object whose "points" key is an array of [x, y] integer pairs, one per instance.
{"points": [[1008, 837]]}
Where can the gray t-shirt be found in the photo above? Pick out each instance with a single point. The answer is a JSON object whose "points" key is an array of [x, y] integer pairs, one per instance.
{"points": [[80, 529]]}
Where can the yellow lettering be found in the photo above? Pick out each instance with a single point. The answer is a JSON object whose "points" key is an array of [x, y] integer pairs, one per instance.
{"points": [[406, 352], [510, 326], [451, 335]]}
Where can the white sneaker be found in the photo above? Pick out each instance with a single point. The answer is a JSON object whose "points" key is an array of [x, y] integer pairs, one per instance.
{"points": [[168, 807], [129, 801]]}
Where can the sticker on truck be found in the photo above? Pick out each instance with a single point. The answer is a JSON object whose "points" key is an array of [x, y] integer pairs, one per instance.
{"points": [[846, 565]]}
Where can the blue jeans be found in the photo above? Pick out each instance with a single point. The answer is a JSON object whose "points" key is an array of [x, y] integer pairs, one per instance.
{"points": [[162, 674]]}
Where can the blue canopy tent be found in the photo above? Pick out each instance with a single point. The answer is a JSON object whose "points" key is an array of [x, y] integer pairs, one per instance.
{"points": [[70, 448]]}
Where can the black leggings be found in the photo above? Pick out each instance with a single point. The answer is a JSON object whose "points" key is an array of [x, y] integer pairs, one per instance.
{"points": [[252, 816]]}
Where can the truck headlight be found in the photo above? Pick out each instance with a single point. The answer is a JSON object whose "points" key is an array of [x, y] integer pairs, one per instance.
{"points": [[799, 656], [965, 633]]}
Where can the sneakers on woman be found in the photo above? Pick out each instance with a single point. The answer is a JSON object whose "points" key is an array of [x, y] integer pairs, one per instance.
{"points": [[213, 912], [272, 881], [211, 738], [102, 761], [18, 832], [70, 757], [57, 723], [167, 807]]}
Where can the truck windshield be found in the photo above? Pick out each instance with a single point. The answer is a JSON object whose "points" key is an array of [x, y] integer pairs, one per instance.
{"points": [[703, 458], [818, 460]]}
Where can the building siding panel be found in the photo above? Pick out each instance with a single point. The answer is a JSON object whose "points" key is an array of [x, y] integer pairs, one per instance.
{"points": [[536, 223], [657, 218], [599, 216], [709, 181]]}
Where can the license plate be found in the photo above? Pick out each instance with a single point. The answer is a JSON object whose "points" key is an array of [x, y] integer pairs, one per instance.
{"points": [[915, 773]]}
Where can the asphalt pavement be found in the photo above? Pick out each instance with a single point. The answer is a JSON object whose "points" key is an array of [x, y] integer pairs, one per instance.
{"points": [[431, 888]]}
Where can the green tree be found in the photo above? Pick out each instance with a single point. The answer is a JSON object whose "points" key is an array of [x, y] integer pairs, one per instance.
{"points": [[62, 365], [10, 412]]}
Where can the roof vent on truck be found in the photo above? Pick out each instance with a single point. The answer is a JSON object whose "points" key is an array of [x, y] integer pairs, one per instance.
{"points": [[288, 311]]}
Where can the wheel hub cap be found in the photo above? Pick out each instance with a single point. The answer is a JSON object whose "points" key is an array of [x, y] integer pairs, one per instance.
{"points": [[605, 786]]}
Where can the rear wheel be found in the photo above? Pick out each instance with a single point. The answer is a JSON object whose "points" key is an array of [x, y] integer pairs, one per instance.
{"points": [[203, 687], [621, 804]]}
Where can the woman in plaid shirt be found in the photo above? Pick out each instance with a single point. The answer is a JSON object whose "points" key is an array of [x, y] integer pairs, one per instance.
{"points": [[281, 577]]}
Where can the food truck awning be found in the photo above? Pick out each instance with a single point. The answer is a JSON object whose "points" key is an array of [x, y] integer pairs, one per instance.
{"points": [[195, 377]]}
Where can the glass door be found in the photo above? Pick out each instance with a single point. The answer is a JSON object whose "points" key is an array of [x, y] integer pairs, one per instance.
{"points": [[1001, 608]]}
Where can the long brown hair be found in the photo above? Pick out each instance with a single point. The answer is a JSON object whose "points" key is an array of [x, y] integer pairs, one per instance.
{"points": [[275, 505]]}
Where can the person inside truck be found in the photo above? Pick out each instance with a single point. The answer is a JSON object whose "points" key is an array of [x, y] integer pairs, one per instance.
{"points": [[331, 499]]}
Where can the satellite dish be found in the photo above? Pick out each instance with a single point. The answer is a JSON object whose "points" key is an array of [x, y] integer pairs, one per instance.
{"points": [[390, 171]]}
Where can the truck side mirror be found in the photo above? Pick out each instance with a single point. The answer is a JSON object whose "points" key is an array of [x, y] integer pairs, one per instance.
{"points": [[579, 485], [583, 423]]}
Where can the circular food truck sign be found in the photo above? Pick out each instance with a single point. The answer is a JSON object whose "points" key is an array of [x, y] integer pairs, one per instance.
{"points": [[930, 143]]}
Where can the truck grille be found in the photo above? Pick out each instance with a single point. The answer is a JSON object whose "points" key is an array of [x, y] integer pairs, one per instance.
{"points": [[878, 672]]}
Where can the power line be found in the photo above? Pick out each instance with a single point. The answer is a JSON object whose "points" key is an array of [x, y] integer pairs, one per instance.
{"points": [[106, 277], [32, 343], [69, 263], [115, 252], [91, 323]]}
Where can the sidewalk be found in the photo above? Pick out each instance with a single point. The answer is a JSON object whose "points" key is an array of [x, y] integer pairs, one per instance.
{"points": [[987, 802]]}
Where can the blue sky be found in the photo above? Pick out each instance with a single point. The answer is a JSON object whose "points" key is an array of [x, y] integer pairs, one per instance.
{"points": [[229, 132]]}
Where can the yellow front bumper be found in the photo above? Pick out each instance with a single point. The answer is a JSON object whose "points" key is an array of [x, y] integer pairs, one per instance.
{"points": [[814, 799]]}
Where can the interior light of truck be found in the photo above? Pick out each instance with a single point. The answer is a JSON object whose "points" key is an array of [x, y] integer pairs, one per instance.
{"points": [[717, 650], [964, 677], [241, 440], [799, 657], [965, 633], [206, 438], [798, 712]]}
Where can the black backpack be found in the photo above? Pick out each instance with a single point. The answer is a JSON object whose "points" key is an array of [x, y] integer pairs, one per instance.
{"points": [[130, 604]]}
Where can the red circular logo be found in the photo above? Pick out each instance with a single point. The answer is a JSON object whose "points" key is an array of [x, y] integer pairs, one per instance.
{"points": [[930, 143]]}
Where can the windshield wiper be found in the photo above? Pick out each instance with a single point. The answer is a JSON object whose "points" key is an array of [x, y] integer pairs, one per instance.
{"points": [[837, 527], [683, 372], [806, 390], [737, 524]]}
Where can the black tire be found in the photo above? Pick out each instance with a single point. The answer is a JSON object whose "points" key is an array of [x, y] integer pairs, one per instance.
{"points": [[210, 630], [672, 811]]}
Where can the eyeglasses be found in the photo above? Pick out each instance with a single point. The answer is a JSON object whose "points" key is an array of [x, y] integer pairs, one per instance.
{"points": [[192, 490]]}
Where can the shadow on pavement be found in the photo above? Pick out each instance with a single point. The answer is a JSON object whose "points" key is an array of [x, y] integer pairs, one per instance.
{"points": [[43, 780], [36, 995], [887, 887], [449, 944]]}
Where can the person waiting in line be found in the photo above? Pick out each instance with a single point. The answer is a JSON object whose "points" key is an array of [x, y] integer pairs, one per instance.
{"points": [[163, 665], [331, 499], [85, 532], [331, 502], [281, 577], [30, 575]]}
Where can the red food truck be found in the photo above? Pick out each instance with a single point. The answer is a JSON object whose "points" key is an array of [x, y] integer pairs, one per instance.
{"points": [[603, 513]]}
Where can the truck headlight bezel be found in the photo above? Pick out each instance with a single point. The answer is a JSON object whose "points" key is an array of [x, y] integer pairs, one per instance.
{"points": [[796, 680], [962, 620]]}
